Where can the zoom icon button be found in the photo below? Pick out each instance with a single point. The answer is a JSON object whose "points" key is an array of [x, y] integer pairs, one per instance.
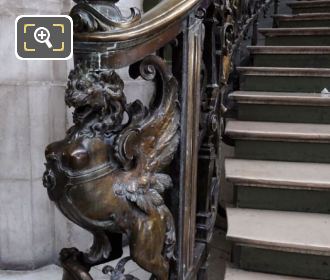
{"points": [[44, 37], [41, 35]]}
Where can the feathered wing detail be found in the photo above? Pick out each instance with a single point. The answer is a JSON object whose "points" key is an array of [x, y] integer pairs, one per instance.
{"points": [[147, 198], [149, 141], [163, 182]]}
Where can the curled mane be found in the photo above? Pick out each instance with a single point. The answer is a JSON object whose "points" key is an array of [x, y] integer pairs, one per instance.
{"points": [[96, 94]]}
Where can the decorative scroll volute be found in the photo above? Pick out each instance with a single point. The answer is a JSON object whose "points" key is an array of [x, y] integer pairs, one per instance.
{"points": [[106, 175], [101, 16], [228, 13]]}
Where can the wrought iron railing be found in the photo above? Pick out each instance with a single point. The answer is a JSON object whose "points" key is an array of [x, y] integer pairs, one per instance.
{"points": [[153, 176]]}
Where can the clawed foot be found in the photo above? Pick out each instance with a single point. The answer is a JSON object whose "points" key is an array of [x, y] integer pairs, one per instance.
{"points": [[74, 268], [70, 253]]}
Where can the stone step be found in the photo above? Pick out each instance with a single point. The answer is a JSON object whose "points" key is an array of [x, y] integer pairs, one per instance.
{"points": [[284, 79], [294, 107], [312, 36], [276, 131], [277, 174], [281, 98], [290, 56], [281, 242], [239, 274], [302, 20], [280, 141], [280, 230], [300, 7], [282, 262], [276, 185]]}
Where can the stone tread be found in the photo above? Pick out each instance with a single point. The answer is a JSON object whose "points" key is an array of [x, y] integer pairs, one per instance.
{"points": [[281, 98], [276, 131], [307, 4], [295, 31], [301, 17], [284, 71], [289, 50], [238, 274], [306, 233], [278, 174]]}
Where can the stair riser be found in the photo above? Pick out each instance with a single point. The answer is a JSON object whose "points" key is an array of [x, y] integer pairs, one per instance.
{"points": [[282, 83], [283, 113], [287, 263], [283, 151], [302, 23], [297, 40], [283, 199], [292, 60], [316, 9]]}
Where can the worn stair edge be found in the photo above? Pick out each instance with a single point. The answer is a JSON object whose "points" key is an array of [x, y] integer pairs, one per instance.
{"points": [[239, 274], [276, 131], [302, 17], [295, 31], [275, 50], [306, 233], [278, 174], [281, 98], [308, 4], [285, 71]]}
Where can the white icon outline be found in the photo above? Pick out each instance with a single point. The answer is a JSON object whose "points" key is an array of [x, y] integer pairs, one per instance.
{"points": [[42, 34], [45, 16]]}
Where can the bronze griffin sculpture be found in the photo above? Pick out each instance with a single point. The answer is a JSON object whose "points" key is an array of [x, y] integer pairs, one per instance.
{"points": [[107, 176]]}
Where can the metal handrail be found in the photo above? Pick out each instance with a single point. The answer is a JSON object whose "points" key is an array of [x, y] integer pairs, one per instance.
{"points": [[161, 16]]}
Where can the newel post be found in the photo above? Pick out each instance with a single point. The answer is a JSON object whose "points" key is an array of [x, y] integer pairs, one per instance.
{"points": [[147, 171]]}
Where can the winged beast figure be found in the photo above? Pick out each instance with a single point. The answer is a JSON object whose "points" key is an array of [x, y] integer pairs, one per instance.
{"points": [[106, 175]]}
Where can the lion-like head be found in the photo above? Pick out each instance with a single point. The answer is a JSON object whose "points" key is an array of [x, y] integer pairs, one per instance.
{"points": [[97, 93]]}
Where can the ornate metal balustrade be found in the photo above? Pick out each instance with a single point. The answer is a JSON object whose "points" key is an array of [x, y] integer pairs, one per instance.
{"points": [[151, 173]]}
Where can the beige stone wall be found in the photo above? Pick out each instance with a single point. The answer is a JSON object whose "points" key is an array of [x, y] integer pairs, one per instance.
{"points": [[33, 114]]}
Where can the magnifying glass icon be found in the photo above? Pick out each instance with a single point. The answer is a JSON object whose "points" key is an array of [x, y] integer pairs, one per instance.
{"points": [[41, 35]]}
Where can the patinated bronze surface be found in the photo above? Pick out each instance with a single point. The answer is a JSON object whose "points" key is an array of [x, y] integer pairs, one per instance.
{"points": [[151, 173], [106, 175], [101, 16]]}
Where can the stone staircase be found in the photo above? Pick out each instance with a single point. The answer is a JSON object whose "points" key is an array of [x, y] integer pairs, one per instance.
{"points": [[280, 223]]}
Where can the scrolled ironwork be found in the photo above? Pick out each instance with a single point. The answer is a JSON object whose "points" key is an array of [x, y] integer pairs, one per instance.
{"points": [[118, 272]]}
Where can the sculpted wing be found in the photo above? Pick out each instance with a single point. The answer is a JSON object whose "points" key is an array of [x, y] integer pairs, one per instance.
{"points": [[149, 142]]}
